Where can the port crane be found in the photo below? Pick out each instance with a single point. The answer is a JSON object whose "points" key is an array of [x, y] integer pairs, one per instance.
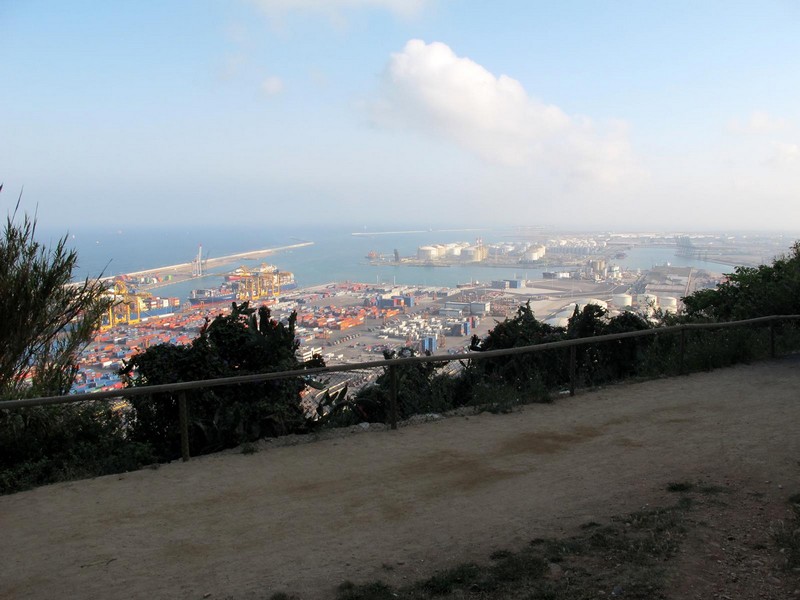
{"points": [[258, 284], [126, 307]]}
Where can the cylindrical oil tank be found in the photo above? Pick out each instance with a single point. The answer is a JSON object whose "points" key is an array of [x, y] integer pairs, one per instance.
{"points": [[668, 303], [427, 252], [468, 254], [622, 300]]}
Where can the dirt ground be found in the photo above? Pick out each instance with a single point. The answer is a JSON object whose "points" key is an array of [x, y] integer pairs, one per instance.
{"points": [[398, 505]]}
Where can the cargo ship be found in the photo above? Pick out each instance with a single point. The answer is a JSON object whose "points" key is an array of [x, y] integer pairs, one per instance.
{"points": [[224, 293], [286, 281]]}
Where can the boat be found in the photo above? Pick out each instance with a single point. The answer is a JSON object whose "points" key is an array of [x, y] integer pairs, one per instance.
{"points": [[223, 293], [237, 274], [286, 280]]}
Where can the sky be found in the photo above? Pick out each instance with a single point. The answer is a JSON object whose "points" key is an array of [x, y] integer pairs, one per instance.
{"points": [[619, 115]]}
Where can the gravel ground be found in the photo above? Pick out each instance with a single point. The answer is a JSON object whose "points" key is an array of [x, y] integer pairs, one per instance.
{"points": [[303, 517]]}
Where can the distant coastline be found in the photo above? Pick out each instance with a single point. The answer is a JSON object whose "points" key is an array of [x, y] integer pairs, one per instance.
{"points": [[334, 256], [410, 231]]}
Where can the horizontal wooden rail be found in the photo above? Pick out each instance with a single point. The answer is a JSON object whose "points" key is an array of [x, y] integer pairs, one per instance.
{"points": [[259, 377]]}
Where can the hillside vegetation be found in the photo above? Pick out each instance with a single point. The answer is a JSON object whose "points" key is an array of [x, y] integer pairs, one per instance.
{"points": [[47, 444]]}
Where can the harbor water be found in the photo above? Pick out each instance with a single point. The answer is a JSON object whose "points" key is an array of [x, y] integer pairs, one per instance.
{"points": [[336, 255]]}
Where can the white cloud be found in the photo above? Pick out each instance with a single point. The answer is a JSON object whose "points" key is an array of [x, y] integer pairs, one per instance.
{"points": [[272, 86], [759, 122], [427, 87], [404, 8], [784, 154], [766, 141]]}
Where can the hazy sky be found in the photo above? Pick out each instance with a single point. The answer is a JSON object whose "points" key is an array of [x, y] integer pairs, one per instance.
{"points": [[592, 114]]}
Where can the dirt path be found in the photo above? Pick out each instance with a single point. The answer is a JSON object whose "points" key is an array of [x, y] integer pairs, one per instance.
{"points": [[304, 518]]}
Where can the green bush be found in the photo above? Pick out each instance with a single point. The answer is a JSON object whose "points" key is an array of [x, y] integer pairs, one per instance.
{"points": [[550, 368], [45, 444], [243, 343], [751, 292], [421, 388], [47, 320]]}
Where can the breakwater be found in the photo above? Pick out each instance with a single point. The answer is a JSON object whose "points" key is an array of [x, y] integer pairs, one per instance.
{"points": [[184, 270]]}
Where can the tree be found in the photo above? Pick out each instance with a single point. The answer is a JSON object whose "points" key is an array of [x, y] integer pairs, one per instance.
{"points": [[419, 390], [595, 363], [523, 370], [248, 341], [47, 320], [751, 292], [625, 356]]}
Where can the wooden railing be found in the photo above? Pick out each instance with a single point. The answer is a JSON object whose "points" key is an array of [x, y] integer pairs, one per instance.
{"points": [[392, 364]]}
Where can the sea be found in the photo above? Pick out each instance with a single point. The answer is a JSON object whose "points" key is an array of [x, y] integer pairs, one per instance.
{"points": [[336, 255]]}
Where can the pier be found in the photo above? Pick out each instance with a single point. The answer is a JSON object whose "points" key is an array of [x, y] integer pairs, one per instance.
{"points": [[185, 271]]}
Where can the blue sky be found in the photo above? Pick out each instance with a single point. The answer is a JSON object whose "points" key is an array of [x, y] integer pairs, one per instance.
{"points": [[588, 115]]}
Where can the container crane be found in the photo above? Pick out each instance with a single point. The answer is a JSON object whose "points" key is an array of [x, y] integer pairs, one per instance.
{"points": [[127, 305]]}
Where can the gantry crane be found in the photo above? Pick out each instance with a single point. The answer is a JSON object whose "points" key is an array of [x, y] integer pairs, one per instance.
{"points": [[127, 305], [260, 284]]}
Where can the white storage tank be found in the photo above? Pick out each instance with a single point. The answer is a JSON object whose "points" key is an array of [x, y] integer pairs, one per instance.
{"points": [[532, 255], [427, 252], [621, 300], [668, 303]]}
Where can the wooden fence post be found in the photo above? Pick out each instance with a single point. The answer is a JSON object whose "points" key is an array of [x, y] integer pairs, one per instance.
{"points": [[183, 419], [572, 369], [393, 398]]}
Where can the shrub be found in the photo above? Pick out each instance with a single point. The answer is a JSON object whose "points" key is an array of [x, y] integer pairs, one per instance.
{"points": [[45, 444], [245, 342], [46, 322]]}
